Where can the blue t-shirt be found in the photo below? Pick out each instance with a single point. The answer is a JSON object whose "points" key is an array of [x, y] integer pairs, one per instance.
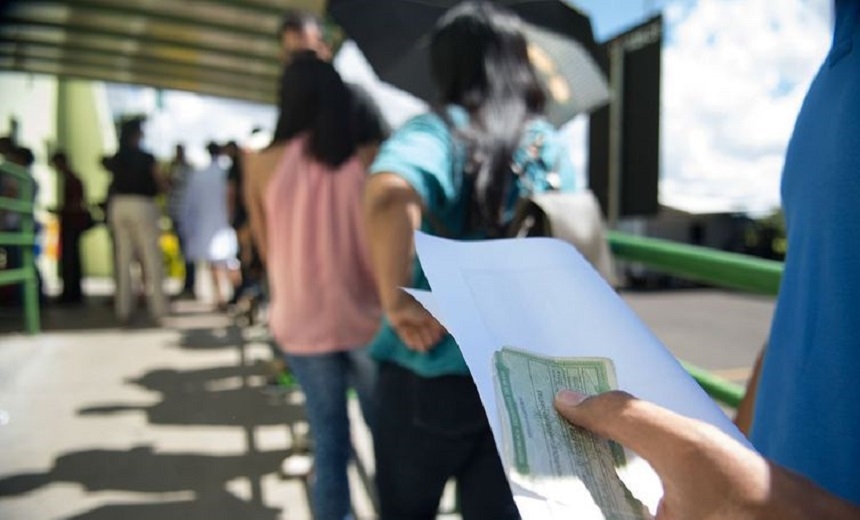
{"points": [[807, 415], [424, 153]]}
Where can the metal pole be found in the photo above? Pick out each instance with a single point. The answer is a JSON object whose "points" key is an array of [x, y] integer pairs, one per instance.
{"points": [[31, 282], [616, 113]]}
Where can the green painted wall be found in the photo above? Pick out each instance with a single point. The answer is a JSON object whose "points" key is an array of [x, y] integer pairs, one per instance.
{"points": [[86, 132]]}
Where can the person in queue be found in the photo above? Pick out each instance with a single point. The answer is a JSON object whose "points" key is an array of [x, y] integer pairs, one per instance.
{"points": [[449, 172], [133, 218], [324, 306]]}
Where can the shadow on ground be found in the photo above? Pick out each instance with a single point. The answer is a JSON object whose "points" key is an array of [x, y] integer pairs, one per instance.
{"points": [[143, 470], [211, 338], [93, 314], [223, 396], [219, 396]]}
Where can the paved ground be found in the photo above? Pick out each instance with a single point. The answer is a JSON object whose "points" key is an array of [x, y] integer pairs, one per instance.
{"points": [[717, 330], [102, 423], [105, 423]]}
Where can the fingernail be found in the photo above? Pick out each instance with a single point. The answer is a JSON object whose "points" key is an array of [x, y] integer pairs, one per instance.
{"points": [[569, 397]]}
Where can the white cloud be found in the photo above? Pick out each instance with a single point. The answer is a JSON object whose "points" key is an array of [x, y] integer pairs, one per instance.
{"points": [[734, 76]]}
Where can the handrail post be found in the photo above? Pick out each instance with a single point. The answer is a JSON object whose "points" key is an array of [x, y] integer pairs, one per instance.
{"points": [[28, 261], [25, 240], [720, 268]]}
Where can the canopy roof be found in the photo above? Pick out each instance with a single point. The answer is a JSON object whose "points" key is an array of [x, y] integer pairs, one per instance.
{"points": [[224, 48]]}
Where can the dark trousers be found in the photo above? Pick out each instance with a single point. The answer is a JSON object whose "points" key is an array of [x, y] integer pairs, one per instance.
{"points": [[429, 430], [70, 265], [190, 277], [190, 267]]}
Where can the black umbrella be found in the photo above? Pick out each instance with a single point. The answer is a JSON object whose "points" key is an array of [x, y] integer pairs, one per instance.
{"points": [[394, 35]]}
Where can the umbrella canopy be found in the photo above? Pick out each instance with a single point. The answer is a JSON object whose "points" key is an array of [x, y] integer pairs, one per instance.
{"points": [[395, 38]]}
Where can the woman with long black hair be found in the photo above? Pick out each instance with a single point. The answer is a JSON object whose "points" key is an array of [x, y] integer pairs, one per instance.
{"points": [[456, 172], [305, 207]]}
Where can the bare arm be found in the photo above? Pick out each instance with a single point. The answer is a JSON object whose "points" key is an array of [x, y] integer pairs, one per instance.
{"points": [[392, 213], [392, 210], [256, 218], [705, 473], [746, 409], [259, 167]]}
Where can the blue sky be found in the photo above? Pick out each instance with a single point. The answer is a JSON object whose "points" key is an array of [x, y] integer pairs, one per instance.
{"points": [[609, 17]]}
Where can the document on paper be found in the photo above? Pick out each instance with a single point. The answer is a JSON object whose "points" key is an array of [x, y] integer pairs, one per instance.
{"points": [[541, 296], [566, 465]]}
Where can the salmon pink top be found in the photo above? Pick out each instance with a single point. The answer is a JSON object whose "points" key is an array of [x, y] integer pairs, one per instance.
{"points": [[322, 288]]}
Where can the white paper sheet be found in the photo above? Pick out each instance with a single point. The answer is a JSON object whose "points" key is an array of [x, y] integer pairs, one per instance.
{"points": [[541, 295]]}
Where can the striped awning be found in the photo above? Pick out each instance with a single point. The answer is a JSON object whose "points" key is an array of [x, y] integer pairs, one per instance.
{"points": [[225, 48]]}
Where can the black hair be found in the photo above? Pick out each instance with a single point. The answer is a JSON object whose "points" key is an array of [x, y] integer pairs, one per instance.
{"points": [[129, 131], [213, 148], [479, 59], [315, 100], [59, 157], [24, 156], [297, 21]]}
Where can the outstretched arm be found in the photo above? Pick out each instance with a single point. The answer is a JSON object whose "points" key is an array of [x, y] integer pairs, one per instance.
{"points": [[392, 210]]}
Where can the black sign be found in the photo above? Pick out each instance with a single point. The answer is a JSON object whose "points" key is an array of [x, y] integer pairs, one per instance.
{"points": [[639, 50]]}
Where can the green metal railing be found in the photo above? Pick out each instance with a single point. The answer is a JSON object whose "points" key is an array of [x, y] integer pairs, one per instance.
{"points": [[718, 268], [23, 238]]}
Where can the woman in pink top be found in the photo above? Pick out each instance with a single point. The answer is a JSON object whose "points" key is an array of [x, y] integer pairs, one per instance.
{"points": [[324, 307]]}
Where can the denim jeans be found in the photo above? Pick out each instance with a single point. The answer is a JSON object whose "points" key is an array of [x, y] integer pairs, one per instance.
{"points": [[427, 431], [324, 379]]}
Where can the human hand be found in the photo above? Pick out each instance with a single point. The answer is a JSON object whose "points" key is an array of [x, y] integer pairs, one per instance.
{"points": [[418, 329], [705, 473]]}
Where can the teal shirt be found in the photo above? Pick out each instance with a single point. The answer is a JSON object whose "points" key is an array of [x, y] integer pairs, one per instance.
{"points": [[424, 154]]}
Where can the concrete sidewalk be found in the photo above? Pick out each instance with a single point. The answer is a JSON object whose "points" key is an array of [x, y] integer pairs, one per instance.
{"points": [[175, 423], [102, 423]]}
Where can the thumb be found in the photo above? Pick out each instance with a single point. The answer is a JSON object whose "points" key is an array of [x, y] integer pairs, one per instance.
{"points": [[599, 414], [649, 430]]}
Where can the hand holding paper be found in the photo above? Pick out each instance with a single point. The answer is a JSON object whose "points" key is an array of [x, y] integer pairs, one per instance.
{"points": [[705, 473], [542, 296], [570, 467]]}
